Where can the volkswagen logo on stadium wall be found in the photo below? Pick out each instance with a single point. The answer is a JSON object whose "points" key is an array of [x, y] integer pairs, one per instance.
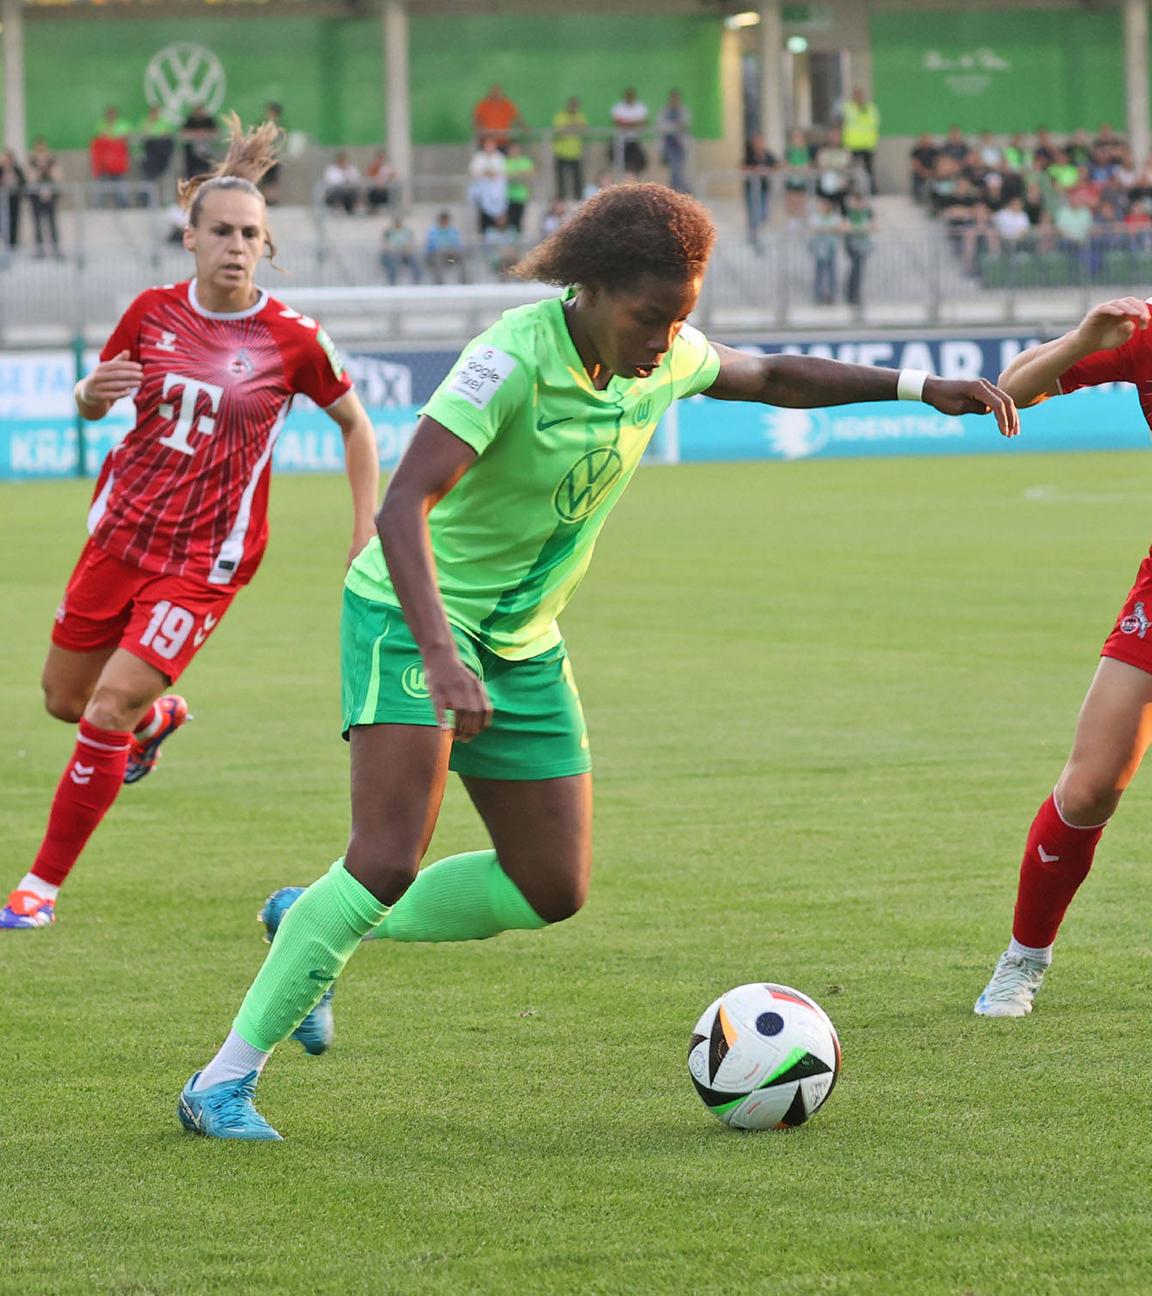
{"points": [[182, 75]]}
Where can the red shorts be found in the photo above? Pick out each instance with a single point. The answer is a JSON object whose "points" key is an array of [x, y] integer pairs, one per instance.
{"points": [[163, 620], [1131, 639]]}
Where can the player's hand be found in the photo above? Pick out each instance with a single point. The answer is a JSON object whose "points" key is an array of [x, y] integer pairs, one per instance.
{"points": [[1112, 323], [973, 396], [112, 379], [461, 700]]}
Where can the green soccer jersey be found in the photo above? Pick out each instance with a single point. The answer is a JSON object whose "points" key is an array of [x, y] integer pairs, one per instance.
{"points": [[513, 539]]}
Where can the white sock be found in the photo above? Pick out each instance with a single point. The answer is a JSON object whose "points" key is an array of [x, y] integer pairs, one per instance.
{"points": [[45, 890], [234, 1061], [1017, 950], [149, 724]]}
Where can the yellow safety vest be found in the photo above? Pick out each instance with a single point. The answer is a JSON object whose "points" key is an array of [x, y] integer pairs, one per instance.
{"points": [[861, 126]]}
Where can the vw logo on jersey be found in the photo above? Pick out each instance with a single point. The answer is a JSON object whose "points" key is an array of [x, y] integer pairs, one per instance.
{"points": [[182, 76], [586, 483]]}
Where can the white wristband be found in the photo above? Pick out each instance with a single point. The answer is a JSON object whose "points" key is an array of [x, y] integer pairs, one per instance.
{"points": [[910, 384]]}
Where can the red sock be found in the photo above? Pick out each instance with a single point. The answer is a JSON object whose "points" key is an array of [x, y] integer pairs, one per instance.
{"points": [[89, 786], [1056, 860]]}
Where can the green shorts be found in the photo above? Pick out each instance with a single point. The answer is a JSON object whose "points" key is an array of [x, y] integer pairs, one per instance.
{"points": [[537, 729]]}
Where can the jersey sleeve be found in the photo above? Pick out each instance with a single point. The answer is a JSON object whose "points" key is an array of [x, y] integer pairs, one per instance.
{"points": [[320, 372], [482, 389], [695, 364], [126, 335], [1115, 365]]}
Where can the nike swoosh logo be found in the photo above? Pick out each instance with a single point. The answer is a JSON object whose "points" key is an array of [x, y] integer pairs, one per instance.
{"points": [[542, 425], [322, 977], [1045, 857]]}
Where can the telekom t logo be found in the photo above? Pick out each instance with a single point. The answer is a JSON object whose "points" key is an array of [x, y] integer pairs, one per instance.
{"points": [[187, 421]]}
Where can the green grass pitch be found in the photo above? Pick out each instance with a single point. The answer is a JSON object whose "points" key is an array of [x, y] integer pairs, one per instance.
{"points": [[825, 700]]}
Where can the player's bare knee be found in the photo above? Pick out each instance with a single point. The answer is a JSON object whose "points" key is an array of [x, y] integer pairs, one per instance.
{"points": [[1085, 799], [64, 706], [562, 900], [115, 709], [381, 867]]}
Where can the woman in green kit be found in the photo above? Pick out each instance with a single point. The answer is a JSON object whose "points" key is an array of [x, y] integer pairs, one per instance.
{"points": [[451, 655]]}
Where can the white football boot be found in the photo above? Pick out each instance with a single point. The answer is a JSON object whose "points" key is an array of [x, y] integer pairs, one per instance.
{"points": [[1013, 986]]}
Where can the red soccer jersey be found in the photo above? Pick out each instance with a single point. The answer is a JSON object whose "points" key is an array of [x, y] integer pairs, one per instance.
{"points": [[1131, 363], [186, 491]]}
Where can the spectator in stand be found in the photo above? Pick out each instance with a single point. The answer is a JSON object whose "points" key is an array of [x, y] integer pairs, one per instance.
{"points": [[1138, 223], [270, 185], [108, 153], [1101, 165], [1079, 147], [833, 164], [942, 185], [157, 144], [630, 116], [1017, 153], [1074, 221], [990, 153], [1011, 223], [1046, 151], [1107, 138], [966, 217], [501, 241], [489, 187], [604, 180], [1108, 235], [860, 127], [12, 181], [797, 179], [758, 166], [43, 195], [341, 183], [553, 218], [519, 170], [495, 117], [383, 181], [199, 133], [444, 249], [1062, 172], [857, 245], [955, 146], [922, 165], [825, 227], [399, 251], [569, 128], [674, 124]]}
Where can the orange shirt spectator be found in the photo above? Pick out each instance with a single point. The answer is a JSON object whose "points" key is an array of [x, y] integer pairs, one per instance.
{"points": [[495, 117]]}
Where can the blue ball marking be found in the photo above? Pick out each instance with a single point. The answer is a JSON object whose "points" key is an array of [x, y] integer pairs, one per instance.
{"points": [[769, 1023]]}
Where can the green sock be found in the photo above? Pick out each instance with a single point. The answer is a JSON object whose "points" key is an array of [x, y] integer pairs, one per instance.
{"points": [[315, 940], [463, 897]]}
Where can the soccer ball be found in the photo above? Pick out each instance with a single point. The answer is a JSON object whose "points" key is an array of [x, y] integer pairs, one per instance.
{"points": [[764, 1056]]}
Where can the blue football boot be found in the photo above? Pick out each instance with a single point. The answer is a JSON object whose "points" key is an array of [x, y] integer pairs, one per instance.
{"points": [[318, 1029], [224, 1111]]}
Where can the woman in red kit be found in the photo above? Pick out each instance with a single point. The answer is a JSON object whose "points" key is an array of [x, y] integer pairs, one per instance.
{"points": [[179, 520], [1113, 343]]}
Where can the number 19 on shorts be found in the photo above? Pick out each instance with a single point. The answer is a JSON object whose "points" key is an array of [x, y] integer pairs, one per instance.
{"points": [[168, 630]]}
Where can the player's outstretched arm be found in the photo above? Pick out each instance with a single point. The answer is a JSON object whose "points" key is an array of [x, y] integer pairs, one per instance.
{"points": [[106, 384], [361, 463], [432, 465], [1033, 375], [809, 382]]}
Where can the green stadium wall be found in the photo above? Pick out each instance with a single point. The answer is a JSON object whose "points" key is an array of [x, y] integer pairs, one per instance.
{"points": [[998, 69], [328, 72]]}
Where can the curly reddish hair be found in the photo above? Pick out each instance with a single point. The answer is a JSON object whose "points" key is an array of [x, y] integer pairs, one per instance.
{"points": [[622, 233]]}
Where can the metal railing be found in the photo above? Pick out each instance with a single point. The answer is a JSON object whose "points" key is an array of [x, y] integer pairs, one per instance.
{"points": [[773, 278]]}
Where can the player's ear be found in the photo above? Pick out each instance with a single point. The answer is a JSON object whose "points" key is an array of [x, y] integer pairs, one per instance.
{"points": [[189, 238]]}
